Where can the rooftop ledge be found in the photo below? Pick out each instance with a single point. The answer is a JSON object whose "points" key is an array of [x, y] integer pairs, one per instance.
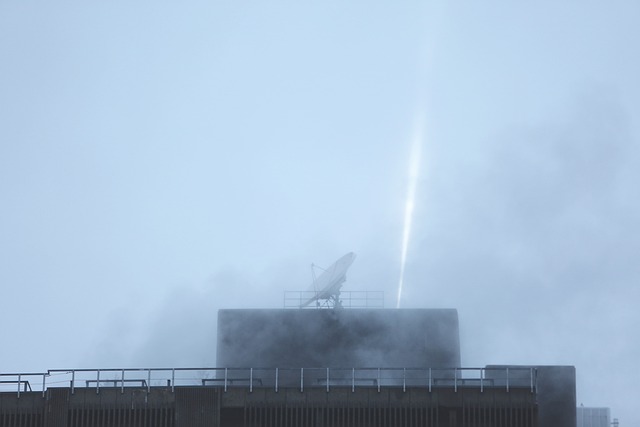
{"points": [[273, 378]]}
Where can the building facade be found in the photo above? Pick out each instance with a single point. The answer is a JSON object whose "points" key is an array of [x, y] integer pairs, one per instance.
{"points": [[303, 368], [593, 417]]}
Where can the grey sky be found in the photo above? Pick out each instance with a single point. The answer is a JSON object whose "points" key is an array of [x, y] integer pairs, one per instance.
{"points": [[159, 161]]}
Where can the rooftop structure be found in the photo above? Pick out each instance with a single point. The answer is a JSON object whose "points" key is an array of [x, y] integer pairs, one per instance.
{"points": [[416, 338], [501, 397], [305, 368], [593, 417]]}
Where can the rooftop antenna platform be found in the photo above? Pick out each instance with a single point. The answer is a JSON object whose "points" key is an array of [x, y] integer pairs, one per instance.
{"points": [[326, 290], [326, 287]]}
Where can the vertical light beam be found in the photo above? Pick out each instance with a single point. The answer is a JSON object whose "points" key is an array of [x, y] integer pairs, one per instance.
{"points": [[414, 166]]}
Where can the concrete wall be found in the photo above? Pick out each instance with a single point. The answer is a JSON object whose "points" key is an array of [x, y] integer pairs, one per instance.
{"points": [[133, 407], [593, 417], [556, 391], [290, 338], [366, 407], [265, 407]]}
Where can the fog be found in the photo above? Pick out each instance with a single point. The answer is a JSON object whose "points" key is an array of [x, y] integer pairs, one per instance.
{"points": [[159, 162]]}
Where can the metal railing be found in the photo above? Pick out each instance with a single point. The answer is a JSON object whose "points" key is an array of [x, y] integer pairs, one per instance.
{"points": [[275, 378], [348, 299], [23, 382]]}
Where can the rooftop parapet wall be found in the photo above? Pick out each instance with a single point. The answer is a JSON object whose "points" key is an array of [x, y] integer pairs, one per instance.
{"points": [[195, 397], [416, 338], [274, 378], [238, 406]]}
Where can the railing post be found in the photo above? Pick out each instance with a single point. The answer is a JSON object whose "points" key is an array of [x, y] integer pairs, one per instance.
{"points": [[225, 380], [429, 380], [276, 380], [250, 380], [531, 376], [148, 381], [507, 380], [122, 385], [19, 376], [173, 380], [98, 382], [327, 380], [404, 380], [455, 380], [378, 380], [301, 380], [481, 380], [44, 380], [73, 381], [353, 380]]}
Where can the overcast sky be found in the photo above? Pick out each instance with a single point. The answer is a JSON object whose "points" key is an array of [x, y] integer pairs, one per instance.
{"points": [[162, 160]]}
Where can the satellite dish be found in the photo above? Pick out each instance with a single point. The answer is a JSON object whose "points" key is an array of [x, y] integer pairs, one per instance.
{"points": [[327, 286]]}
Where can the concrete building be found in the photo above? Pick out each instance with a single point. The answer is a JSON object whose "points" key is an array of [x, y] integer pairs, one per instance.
{"points": [[413, 338], [593, 417], [302, 368]]}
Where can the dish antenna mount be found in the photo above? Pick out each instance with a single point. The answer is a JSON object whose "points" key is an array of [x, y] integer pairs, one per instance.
{"points": [[326, 287]]}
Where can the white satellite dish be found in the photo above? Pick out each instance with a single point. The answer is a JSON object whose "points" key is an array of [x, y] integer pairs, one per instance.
{"points": [[327, 286]]}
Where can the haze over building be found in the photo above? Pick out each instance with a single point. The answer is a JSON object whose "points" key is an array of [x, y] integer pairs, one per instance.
{"points": [[306, 367]]}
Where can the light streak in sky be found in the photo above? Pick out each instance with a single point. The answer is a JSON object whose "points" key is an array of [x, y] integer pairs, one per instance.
{"points": [[414, 167]]}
